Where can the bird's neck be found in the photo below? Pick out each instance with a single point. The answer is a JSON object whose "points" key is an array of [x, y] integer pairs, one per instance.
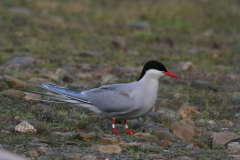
{"points": [[150, 81]]}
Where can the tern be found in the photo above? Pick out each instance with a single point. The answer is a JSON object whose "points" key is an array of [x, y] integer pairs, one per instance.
{"points": [[124, 101]]}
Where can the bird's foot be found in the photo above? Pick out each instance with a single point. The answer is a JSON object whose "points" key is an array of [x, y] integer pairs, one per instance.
{"points": [[114, 131], [127, 131]]}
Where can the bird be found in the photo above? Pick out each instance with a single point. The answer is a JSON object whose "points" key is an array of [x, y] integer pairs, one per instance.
{"points": [[123, 101]]}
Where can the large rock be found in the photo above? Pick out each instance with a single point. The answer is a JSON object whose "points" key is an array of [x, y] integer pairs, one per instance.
{"points": [[14, 82], [165, 135], [182, 131], [12, 93], [108, 148], [187, 112], [188, 122], [24, 127], [222, 138]]}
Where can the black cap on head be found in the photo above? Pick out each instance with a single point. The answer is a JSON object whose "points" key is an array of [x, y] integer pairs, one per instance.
{"points": [[152, 65]]}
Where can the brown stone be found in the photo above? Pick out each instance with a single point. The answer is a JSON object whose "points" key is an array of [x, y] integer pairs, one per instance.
{"points": [[177, 95], [163, 143], [80, 135], [225, 122], [14, 82], [222, 138], [39, 80], [196, 143], [50, 76], [105, 67], [182, 131], [87, 76], [188, 122], [108, 148], [112, 140], [187, 112], [31, 97], [12, 93]]}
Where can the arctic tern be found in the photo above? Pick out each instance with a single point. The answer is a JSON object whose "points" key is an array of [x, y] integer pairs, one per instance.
{"points": [[124, 101]]}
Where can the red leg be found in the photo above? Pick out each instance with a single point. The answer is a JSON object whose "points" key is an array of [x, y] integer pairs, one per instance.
{"points": [[127, 131], [114, 131]]}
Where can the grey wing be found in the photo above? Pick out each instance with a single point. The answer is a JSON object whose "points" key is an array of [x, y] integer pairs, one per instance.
{"points": [[111, 98], [74, 94]]}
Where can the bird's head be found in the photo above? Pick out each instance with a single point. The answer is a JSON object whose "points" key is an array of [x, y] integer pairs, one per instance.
{"points": [[155, 69]]}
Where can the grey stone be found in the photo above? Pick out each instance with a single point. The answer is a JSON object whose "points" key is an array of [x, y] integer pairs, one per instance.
{"points": [[165, 135], [183, 158], [20, 21], [234, 157], [149, 148], [37, 144], [119, 42], [18, 64], [92, 53], [9, 128], [135, 124], [22, 11], [147, 138], [139, 25], [197, 150], [236, 98], [149, 128], [202, 85]]}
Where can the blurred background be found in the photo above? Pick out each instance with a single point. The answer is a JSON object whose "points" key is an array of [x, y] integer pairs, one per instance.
{"points": [[85, 44]]}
